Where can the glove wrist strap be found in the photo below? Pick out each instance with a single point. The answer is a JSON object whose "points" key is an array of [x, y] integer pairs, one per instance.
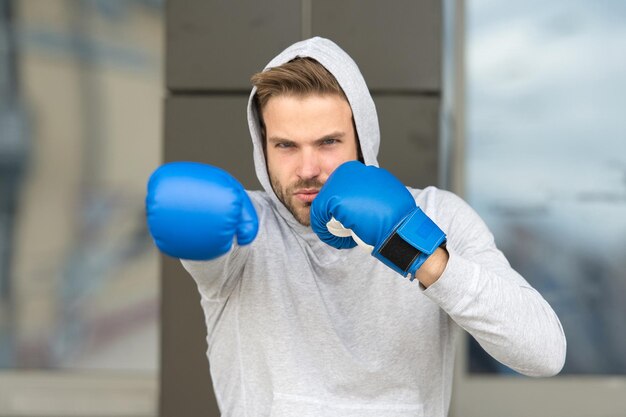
{"points": [[408, 246]]}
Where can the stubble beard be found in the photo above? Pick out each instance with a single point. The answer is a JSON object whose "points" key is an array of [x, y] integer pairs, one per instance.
{"points": [[301, 211]]}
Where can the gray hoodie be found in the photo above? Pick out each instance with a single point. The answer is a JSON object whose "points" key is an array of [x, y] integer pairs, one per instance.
{"points": [[298, 328]]}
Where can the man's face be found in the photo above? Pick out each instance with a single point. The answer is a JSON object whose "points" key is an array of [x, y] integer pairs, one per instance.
{"points": [[307, 137]]}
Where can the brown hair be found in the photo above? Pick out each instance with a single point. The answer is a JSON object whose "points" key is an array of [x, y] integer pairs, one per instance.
{"points": [[300, 76]]}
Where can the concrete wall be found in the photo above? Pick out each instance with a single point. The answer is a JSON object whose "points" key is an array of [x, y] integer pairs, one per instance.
{"points": [[212, 49]]}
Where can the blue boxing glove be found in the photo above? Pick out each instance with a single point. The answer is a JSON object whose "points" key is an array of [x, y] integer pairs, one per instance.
{"points": [[195, 211], [369, 206]]}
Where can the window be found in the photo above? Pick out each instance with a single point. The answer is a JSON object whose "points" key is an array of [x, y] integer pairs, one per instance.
{"points": [[79, 279], [546, 169]]}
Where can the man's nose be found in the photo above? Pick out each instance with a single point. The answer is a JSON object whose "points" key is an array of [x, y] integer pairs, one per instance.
{"points": [[310, 166]]}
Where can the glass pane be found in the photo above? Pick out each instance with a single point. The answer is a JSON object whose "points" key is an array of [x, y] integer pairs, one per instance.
{"points": [[546, 161], [79, 277]]}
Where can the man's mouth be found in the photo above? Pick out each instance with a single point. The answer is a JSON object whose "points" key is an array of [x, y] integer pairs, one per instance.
{"points": [[306, 195]]}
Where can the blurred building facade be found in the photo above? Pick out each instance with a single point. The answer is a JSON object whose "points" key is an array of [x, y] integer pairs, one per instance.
{"points": [[79, 279]]}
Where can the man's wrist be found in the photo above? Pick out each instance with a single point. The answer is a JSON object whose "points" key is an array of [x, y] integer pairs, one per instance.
{"points": [[432, 269]]}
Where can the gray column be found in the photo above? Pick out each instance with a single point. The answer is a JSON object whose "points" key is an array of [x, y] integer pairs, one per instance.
{"points": [[212, 49]]}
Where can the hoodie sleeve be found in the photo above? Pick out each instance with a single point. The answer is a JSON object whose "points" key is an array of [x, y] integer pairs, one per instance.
{"points": [[486, 297], [217, 278]]}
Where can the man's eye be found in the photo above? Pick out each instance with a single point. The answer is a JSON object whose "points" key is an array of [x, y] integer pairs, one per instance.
{"points": [[330, 141], [284, 145]]}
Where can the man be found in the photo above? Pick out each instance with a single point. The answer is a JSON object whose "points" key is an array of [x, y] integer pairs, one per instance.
{"points": [[300, 321]]}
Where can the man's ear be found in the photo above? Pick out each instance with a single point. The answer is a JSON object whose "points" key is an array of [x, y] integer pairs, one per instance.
{"points": [[264, 142], [359, 152], [263, 135], [259, 116]]}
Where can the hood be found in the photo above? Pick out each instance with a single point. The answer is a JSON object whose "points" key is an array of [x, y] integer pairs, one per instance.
{"points": [[345, 70]]}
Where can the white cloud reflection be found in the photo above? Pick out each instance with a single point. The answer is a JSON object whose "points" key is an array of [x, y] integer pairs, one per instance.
{"points": [[546, 97]]}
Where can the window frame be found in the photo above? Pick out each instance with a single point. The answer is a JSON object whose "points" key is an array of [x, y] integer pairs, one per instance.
{"points": [[504, 395], [35, 393], [520, 396]]}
